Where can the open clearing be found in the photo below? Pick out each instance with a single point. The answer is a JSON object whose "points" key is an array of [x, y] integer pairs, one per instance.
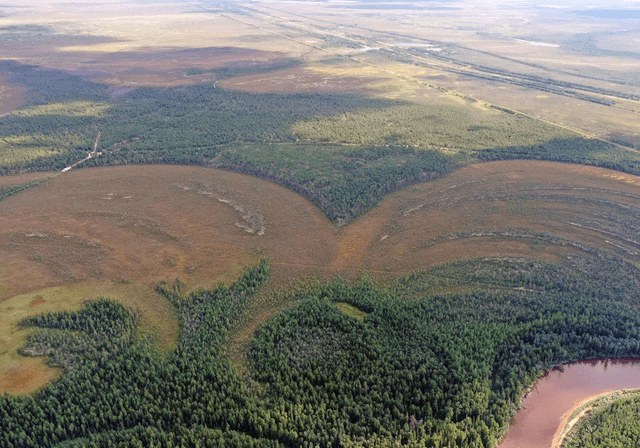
{"points": [[11, 181], [117, 231], [528, 59]]}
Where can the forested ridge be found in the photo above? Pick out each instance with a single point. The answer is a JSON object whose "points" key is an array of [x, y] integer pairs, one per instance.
{"points": [[412, 367], [344, 152]]}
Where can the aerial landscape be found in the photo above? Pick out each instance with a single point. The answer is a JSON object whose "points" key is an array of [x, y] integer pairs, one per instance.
{"points": [[320, 223]]}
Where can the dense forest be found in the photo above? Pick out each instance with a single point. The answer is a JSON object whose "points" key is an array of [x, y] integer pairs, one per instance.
{"points": [[444, 370], [439, 358], [613, 422], [350, 364], [344, 152], [120, 392]]}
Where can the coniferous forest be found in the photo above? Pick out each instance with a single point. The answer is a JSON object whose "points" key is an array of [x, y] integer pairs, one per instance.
{"points": [[343, 152], [613, 422], [349, 363], [290, 326], [408, 367]]}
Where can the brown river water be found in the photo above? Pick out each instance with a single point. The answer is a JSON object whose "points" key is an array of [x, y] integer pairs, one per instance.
{"points": [[556, 393]]}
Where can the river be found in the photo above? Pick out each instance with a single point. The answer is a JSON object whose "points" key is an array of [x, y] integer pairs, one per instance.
{"points": [[555, 394]]}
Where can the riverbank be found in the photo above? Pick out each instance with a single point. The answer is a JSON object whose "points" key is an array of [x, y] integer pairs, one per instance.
{"points": [[583, 410], [555, 399]]}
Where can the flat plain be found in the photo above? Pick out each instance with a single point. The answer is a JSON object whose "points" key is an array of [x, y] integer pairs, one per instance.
{"points": [[444, 123]]}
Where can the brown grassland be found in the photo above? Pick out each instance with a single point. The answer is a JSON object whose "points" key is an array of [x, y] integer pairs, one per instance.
{"points": [[116, 231], [10, 181], [347, 49]]}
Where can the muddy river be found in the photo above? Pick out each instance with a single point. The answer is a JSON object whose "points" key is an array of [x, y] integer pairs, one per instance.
{"points": [[555, 394]]}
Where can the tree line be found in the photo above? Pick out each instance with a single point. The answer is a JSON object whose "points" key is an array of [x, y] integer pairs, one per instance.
{"points": [[343, 152], [419, 369]]}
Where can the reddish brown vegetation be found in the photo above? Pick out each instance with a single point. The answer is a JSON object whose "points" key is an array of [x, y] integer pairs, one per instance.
{"points": [[31, 374], [300, 80], [154, 222], [143, 224], [10, 181], [37, 301]]}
